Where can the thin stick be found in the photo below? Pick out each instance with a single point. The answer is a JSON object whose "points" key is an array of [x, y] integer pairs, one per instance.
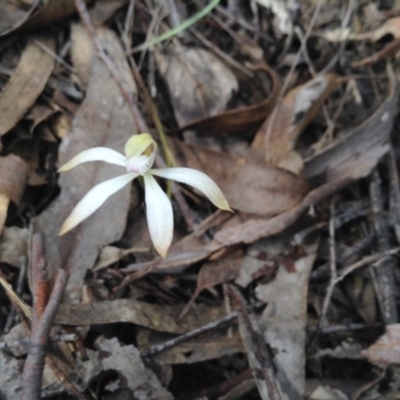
{"points": [[159, 348], [34, 364]]}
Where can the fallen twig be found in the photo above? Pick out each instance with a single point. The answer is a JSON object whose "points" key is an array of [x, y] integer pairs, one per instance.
{"points": [[43, 318]]}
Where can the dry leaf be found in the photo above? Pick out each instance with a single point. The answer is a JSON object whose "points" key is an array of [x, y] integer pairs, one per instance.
{"points": [[249, 188], [285, 318], [242, 119], [126, 361], [386, 350], [104, 10], [14, 246], [214, 273], [81, 54], [26, 83], [102, 120], [110, 254], [154, 316], [51, 12], [289, 119], [200, 84]]}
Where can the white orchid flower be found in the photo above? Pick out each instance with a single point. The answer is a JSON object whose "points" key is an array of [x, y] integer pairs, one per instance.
{"points": [[140, 151]]}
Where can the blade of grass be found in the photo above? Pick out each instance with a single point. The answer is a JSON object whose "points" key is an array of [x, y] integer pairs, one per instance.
{"points": [[173, 32]]}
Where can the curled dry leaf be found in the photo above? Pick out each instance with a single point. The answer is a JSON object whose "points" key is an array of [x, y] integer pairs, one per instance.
{"points": [[102, 120], [36, 17], [241, 119], [200, 84], [274, 144], [386, 350], [26, 83]]}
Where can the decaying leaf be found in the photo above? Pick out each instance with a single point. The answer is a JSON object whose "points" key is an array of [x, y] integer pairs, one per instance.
{"points": [[10, 376], [386, 350], [259, 355], [14, 246], [327, 393], [104, 10], [13, 178], [81, 54], [285, 318], [281, 13], [154, 316], [126, 361], [248, 187], [110, 254], [274, 144], [200, 84], [242, 119], [38, 16], [102, 120], [26, 83], [214, 273]]}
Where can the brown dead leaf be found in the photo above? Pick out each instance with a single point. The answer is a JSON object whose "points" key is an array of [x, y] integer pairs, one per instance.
{"points": [[26, 83], [126, 360], [13, 177], [285, 317], [389, 27], [104, 10], [386, 350], [249, 188], [153, 316], [243, 118], [214, 273], [15, 15], [259, 354], [39, 16], [102, 120], [274, 144], [350, 158], [4, 203], [200, 84], [81, 54], [14, 246], [110, 254]]}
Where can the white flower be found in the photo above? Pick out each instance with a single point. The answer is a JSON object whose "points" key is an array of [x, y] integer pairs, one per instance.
{"points": [[139, 156]]}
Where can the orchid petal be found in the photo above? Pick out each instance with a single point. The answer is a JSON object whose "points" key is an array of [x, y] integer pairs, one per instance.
{"points": [[142, 144], [94, 199], [95, 154], [160, 218], [198, 180]]}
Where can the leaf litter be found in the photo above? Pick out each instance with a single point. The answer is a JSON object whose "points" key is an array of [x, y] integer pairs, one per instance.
{"points": [[294, 294]]}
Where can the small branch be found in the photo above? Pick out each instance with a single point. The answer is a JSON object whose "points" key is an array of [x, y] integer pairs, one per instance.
{"points": [[159, 348], [34, 364], [384, 276]]}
